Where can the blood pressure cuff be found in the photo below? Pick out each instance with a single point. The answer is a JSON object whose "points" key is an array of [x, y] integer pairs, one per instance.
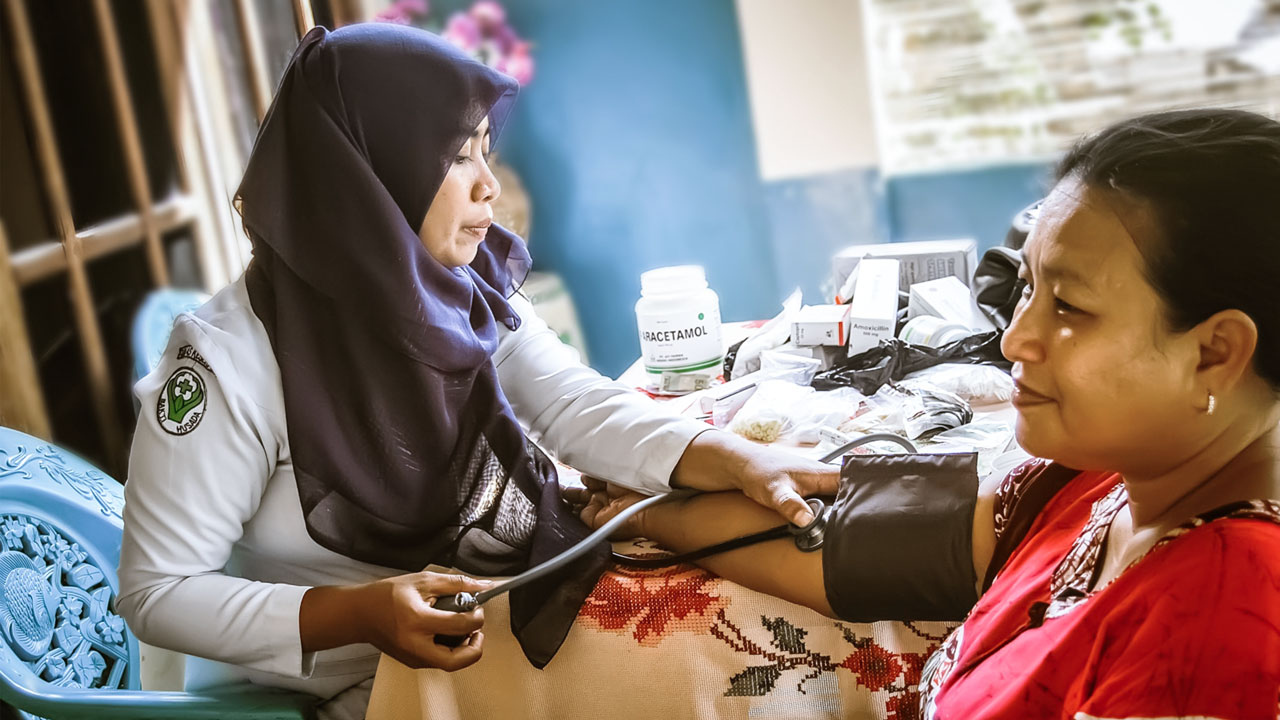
{"points": [[899, 544]]}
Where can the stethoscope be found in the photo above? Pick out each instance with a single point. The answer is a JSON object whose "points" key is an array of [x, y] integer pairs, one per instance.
{"points": [[807, 538]]}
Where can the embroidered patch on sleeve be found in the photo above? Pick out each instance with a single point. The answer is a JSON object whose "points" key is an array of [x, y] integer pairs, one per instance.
{"points": [[182, 402]]}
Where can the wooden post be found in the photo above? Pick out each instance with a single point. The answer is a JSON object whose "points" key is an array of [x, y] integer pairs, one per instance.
{"points": [[86, 320], [21, 401], [303, 16], [255, 59], [130, 141], [165, 18]]}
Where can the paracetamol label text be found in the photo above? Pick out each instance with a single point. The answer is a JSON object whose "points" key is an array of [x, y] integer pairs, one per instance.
{"points": [[685, 341]]}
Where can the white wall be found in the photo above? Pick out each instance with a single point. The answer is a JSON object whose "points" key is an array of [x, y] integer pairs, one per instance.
{"points": [[807, 78]]}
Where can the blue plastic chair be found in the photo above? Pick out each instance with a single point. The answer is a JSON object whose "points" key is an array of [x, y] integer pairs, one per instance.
{"points": [[153, 323], [64, 653]]}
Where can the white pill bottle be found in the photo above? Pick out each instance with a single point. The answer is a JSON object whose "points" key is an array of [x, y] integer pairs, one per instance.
{"points": [[679, 321]]}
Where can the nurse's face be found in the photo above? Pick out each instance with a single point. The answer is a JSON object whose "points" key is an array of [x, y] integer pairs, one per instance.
{"points": [[1102, 382], [461, 212]]}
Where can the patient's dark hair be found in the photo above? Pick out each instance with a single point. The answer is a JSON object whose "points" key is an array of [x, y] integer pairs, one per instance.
{"points": [[1212, 178]]}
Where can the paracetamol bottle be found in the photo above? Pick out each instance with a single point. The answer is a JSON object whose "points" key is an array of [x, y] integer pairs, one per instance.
{"points": [[679, 320]]}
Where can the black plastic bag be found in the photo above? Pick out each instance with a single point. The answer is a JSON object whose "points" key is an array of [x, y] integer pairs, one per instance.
{"points": [[996, 287], [894, 359]]}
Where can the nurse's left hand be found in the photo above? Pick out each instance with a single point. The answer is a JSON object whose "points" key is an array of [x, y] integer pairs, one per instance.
{"points": [[775, 478]]}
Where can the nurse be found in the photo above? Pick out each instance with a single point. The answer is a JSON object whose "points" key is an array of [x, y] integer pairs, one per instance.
{"points": [[354, 408]]}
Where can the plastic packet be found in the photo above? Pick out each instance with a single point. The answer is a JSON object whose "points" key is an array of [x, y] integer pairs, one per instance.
{"points": [[825, 410], [794, 368], [882, 412], [985, 434], [769, 413], [832, 439], [989, 438], [926, 410], [979, 384], [770, 335], [725, 408]]}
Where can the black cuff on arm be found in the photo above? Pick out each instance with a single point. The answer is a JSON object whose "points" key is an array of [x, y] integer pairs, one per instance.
{"points": [[899, 545]]}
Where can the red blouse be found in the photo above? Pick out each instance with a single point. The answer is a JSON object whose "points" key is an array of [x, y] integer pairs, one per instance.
{"points": [[1191, 629]]}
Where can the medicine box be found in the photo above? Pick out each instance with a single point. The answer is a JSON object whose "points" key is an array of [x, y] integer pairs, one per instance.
{"points": [[920, 261], [821, 325], [873, 314], [949, 299]]}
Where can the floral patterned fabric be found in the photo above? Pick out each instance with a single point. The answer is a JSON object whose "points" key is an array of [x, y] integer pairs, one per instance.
{"points": [[678, 642]]}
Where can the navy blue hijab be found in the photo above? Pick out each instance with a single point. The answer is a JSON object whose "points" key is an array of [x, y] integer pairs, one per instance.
{"points": [[405, 449]]}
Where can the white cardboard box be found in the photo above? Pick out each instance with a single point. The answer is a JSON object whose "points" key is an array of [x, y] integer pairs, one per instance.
{"points": [[949, 299], [821, 325], [920, 261], [873, 314]]}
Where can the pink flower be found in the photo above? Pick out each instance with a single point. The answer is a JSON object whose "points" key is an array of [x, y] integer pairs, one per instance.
{"points": [[519, 64], [392, 15], [488, 14], [402, 12], [462, 31], [505, 38]]}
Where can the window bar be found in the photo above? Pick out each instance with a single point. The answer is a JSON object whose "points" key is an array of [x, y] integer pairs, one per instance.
{"points": [[21, 403], [170, 60], [344, 12], [255, 58], [131, 142], [86, 321], [39, 261], [220, 151], [303, 16]]}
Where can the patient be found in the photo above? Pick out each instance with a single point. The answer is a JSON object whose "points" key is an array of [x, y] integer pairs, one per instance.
{"points": [[1146, 352]]}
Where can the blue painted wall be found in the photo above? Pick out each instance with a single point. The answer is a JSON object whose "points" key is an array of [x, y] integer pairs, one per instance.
{"points": [[811, 218], [635, 143], [971, 203]]}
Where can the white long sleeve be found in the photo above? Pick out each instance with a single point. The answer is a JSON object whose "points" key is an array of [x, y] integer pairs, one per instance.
{"points": [[599, 426], [187, 500]]}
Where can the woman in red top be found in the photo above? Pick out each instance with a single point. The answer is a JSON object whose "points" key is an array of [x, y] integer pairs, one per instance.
{"points": [[1146, 352]]}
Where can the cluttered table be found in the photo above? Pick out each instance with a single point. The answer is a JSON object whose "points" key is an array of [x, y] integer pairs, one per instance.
{"points": [[681, 642]]}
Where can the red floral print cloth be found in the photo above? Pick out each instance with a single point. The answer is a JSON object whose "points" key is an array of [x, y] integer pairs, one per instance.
{"points": [[675, 643]]}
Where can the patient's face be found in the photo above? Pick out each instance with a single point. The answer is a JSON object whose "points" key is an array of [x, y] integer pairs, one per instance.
{"points": [[461, 211], [1103, 384]]}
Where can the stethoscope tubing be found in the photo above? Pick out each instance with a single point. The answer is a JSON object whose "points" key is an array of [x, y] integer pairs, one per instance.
{"points": [[465, 602]]}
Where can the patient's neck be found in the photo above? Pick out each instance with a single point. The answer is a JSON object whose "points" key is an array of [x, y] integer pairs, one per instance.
{"points": [[1239, 462]]}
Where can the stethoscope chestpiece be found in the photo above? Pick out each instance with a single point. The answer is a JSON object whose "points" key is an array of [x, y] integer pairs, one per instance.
{"points": [[460, 603], [811, 536]]}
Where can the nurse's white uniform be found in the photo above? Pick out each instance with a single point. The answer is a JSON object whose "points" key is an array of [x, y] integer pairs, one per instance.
{"points": [[216, 556]]}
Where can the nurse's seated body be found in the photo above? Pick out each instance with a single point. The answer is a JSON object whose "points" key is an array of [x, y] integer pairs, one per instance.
{"points": [[350, 411], [1145, 582]]}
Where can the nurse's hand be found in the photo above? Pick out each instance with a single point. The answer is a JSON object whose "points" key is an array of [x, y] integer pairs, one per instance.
{"points": [[775, 478], [405, 624], [396, 616], [598, 502]]}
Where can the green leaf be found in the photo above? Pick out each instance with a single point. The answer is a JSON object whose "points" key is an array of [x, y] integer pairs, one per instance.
{"points": [[178, 407], [786, 637], [755, 681]]}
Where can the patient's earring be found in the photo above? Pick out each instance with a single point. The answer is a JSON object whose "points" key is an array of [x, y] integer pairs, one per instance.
{"points": [[1212, 404]]}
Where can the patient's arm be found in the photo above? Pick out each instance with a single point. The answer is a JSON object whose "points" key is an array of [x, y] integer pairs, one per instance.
{"points": [[776, 567]]}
